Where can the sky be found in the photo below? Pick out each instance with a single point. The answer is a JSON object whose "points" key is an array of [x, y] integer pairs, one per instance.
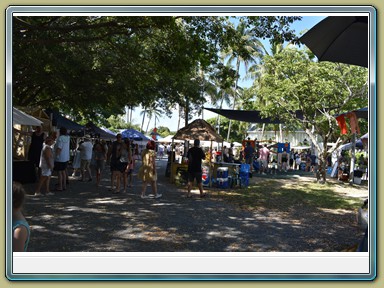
{"points": [[306, 23]]}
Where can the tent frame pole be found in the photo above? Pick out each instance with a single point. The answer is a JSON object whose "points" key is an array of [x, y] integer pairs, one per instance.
{"points": [[172, 160]]}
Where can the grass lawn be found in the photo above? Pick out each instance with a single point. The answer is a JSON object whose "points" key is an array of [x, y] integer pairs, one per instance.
{"points": [[283, 194]]}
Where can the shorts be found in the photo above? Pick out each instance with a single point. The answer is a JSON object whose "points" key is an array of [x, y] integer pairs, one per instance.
{"points": [[195, 175], [121, 166], [46, 172], [113, 166], [85, 164], [264, 163], [100, 165], [248, 161], [60, 166]]}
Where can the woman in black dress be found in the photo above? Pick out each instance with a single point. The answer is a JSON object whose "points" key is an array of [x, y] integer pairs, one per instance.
{"points": [[36, 146]]}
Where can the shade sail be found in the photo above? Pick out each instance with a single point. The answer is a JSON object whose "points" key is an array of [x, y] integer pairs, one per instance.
{"points": [[198, 129], [360, 113], [348, 146], [252, 116], [22, 118], [341, 39]]}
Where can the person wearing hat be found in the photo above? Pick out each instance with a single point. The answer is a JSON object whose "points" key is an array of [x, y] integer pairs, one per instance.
{"points": [[195, 156]]}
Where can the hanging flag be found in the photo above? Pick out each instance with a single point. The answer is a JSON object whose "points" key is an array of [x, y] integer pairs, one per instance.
{"points": [[342, 124], [353, 122]]}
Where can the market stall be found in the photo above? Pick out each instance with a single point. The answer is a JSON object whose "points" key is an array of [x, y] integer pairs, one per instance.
{"points": [[198, 129], [23, 171]]}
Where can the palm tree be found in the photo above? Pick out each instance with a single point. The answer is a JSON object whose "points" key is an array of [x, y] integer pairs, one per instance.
{"points": [[256, 71], [217, 95], [245, 50], [143, 113], [153, 111]]}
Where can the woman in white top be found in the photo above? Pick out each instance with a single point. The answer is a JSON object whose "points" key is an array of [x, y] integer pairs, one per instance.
{"points": [[46, 166]]}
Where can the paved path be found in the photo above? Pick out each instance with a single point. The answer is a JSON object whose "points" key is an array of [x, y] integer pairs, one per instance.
{"points": [[90, 218]]}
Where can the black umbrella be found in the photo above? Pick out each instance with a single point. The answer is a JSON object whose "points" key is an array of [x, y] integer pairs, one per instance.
{"points": [[340, 39]]}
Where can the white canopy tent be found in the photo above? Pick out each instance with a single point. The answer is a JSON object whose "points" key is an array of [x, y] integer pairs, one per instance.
{"points": [[22, 118], [168, 139]]}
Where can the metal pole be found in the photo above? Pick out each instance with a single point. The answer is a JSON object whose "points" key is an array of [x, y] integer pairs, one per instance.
{"points": [[353, 152]]}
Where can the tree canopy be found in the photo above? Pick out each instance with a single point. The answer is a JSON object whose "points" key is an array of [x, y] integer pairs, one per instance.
{"points": [[93, 66], [292, 81]]}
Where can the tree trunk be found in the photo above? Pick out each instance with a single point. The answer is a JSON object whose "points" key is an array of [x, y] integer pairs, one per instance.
{"points": [[353, 156], [218, 116], [149, 120], [321, 173], [234, 96], [186, 111], [130, 115], [178, 120], [142, 123]]}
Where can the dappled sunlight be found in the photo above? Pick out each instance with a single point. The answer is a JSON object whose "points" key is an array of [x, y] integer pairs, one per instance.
{"points": [[39, 228], [85, 209], [44, 217], [164, 204], [106, 200], [225, 233], [73, 228], [269, 215], [337, 211]]}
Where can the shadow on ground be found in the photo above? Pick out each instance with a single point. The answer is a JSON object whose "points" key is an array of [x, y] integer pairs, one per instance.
{"points": [[90, 218]]}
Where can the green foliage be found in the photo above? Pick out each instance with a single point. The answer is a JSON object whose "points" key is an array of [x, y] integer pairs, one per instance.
{"points": [[163, 131], [92, 67], [238, 128], [291, 81], [115, 123]]}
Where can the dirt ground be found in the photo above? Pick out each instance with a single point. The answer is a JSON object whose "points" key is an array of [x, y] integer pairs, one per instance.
{"points": [[89, 218]]}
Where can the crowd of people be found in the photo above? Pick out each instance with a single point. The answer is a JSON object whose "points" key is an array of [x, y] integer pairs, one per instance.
{"points": [[264, 158], [53, 153], [90, 158]]}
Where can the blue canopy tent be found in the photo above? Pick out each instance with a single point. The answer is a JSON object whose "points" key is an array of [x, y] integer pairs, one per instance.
{"points": [[133, 134], [96, 132], [59, 121], [108, 131]]}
